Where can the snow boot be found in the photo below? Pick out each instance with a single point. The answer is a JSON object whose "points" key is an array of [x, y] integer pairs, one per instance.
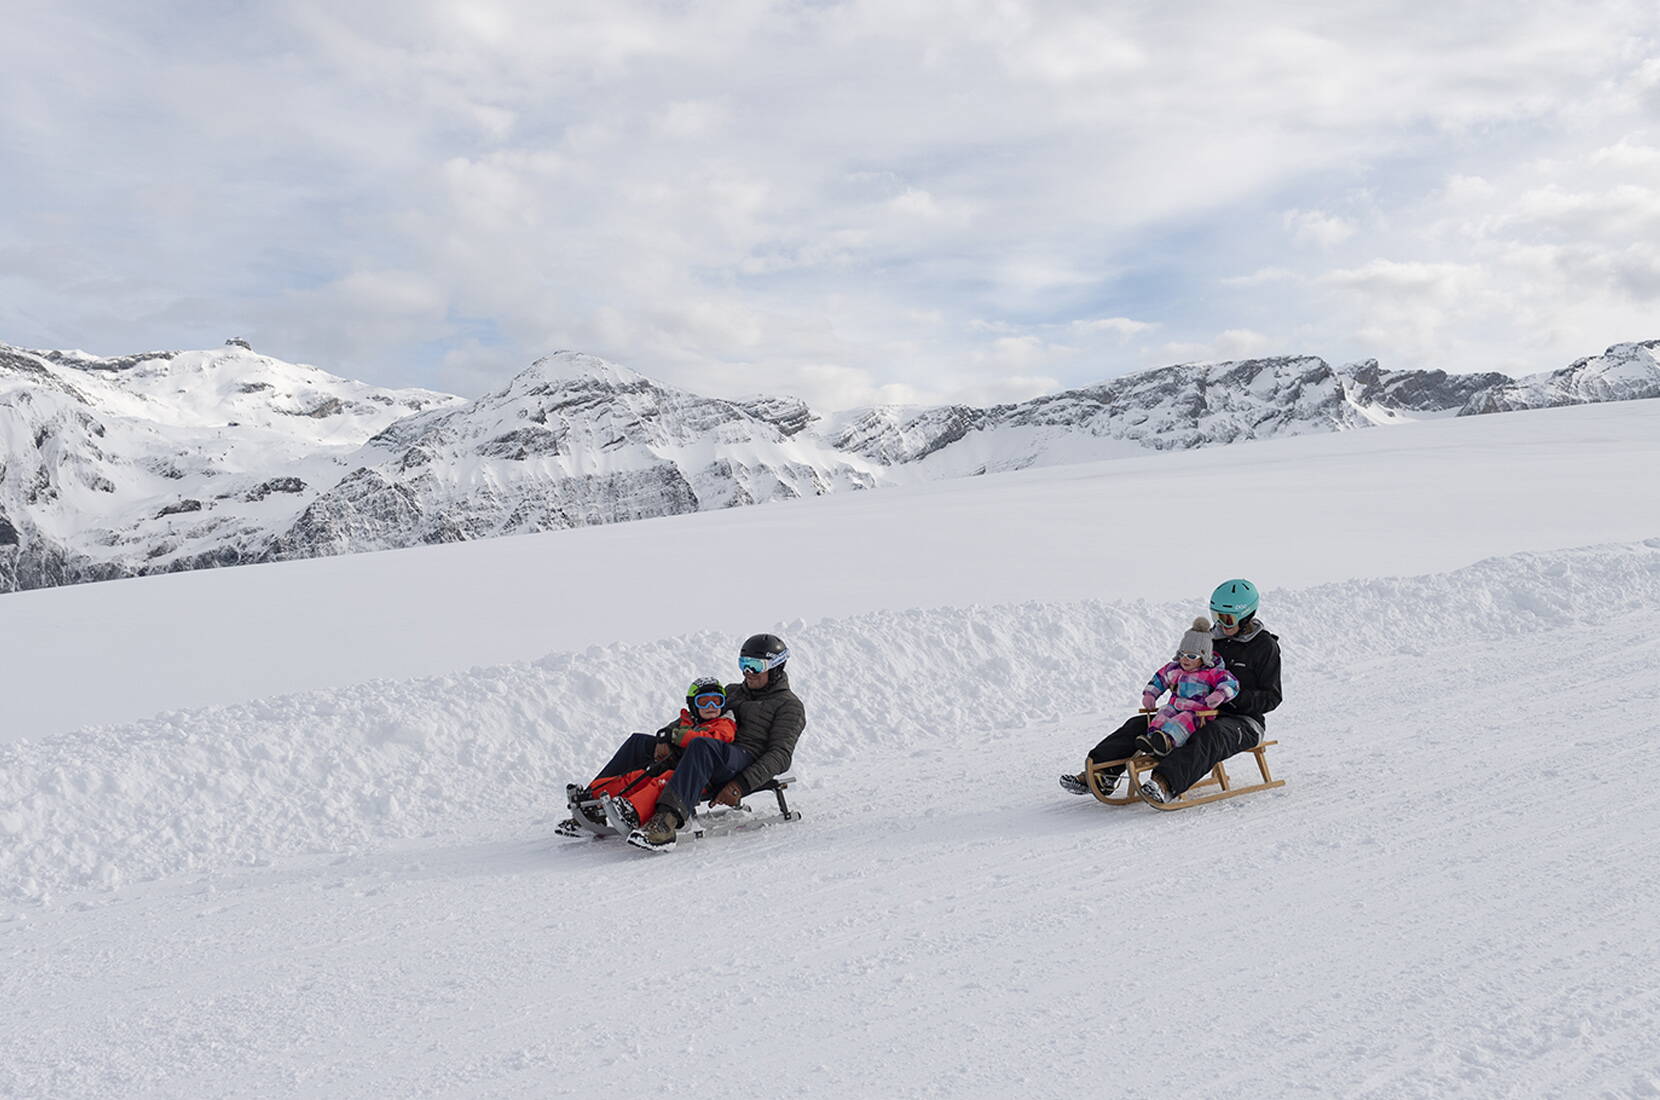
{"points": [[1155, 743], [1154, 790], [620, 814], [1075, 784], [569, 827], [657, 834]]}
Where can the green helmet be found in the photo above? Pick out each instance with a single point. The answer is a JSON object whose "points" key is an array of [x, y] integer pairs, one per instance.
{"points": [[702, 688], [1234, 602]]}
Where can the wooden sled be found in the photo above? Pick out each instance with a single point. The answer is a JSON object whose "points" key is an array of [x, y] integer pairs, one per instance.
{"points": [[1138, 765]]}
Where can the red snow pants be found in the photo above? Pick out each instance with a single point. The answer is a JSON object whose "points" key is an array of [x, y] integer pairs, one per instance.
{"points": [[636, 787]]}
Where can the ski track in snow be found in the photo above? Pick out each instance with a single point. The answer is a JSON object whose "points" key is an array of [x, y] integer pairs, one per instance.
{"points": [[356, 893]]}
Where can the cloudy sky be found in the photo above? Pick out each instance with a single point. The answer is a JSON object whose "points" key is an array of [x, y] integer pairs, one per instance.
{"points": [[896, 200]]}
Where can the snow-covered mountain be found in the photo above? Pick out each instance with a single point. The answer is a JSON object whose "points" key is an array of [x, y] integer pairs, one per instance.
{"points": [[1181, 407], [571, 442], [169, 460], [1624, 372], [178, 460]]}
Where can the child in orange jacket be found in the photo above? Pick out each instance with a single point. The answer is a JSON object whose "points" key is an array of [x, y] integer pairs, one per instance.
{"points": [[634, 793]]}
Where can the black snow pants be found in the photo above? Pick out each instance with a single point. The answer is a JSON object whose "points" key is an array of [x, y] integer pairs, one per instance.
{"points": [[1215, 741]]}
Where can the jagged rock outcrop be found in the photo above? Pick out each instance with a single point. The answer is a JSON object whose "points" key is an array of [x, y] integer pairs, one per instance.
{"points": [[574, 441], [1625, 372], [1434, 391]]}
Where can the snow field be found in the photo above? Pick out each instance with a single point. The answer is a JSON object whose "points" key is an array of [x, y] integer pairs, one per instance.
{"points": [[340, 890], [1451, 897], [338, 770]]}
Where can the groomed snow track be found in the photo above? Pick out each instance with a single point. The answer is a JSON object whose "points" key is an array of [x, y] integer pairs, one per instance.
{"points": [[356, 892]]}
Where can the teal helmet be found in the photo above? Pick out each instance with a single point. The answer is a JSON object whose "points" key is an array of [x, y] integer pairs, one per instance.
{"points": [[1234, 602]]}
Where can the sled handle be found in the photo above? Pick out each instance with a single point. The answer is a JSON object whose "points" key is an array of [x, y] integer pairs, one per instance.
{"points": [[1200, 713]]}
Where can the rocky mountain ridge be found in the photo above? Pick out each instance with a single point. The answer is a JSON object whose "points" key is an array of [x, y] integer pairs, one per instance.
{"points": [[164, 461]]}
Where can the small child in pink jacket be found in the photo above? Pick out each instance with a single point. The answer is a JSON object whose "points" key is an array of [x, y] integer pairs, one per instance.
{"points": [[1196, 680]]}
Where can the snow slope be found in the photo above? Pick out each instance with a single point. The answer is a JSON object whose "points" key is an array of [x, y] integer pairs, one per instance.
{"points": [[328, 769], [352, 890]]}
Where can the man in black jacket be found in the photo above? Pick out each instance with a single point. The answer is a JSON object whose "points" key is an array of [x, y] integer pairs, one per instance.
{"points": [[1252, 654], [770, 720]]}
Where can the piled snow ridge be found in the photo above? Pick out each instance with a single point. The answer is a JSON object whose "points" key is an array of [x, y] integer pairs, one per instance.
{"points": [[331, 770]]}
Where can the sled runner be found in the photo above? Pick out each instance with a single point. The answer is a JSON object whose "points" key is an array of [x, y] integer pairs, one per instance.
{"points": [[586, 811], [720, 820], [1137, 767]]}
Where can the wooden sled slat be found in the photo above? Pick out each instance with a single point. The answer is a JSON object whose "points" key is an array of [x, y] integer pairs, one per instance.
{"points": [[1139, 763]]}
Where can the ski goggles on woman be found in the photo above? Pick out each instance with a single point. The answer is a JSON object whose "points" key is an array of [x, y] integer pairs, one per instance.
{"points": [[1226, 618], [702, 701], [762, 664]]}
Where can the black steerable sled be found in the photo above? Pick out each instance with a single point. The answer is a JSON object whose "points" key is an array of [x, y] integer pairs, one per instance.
{"points": [[603, 817]]}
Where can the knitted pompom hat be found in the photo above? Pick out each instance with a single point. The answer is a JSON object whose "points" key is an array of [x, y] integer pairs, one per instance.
{"points": [[1197, 640]]}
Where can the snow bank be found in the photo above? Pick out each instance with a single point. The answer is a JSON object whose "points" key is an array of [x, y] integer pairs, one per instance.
{"points": [[332, 770]]}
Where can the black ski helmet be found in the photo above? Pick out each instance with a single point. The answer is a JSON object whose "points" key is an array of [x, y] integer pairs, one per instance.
{"points": [[766, 648], [704, 685]]}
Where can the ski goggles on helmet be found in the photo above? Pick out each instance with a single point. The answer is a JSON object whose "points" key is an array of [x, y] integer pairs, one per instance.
{"points": [[709, 699], [762, 664]]}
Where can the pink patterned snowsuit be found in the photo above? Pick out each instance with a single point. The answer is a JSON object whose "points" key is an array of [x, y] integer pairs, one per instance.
{"points": [[1205, 688]]}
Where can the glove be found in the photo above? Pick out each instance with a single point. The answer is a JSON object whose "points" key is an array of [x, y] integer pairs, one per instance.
{"points": [[1215, 699], [1149, 701]]}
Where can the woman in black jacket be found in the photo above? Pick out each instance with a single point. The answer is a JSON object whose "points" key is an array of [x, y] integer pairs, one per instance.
{"points": [[1252, 654]]}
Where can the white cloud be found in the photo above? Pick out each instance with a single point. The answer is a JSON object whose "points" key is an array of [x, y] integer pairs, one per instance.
{"points": [[917, 203], [1240, 343], [1015, 352], [398, 188], [1628, 153], [832, 386], [1224, 346], [690, 118], [1317, 229], [1390, 279], [1625, 211], [1116, 326], [1261, 277], [1009, 389], [1462, 190]]}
